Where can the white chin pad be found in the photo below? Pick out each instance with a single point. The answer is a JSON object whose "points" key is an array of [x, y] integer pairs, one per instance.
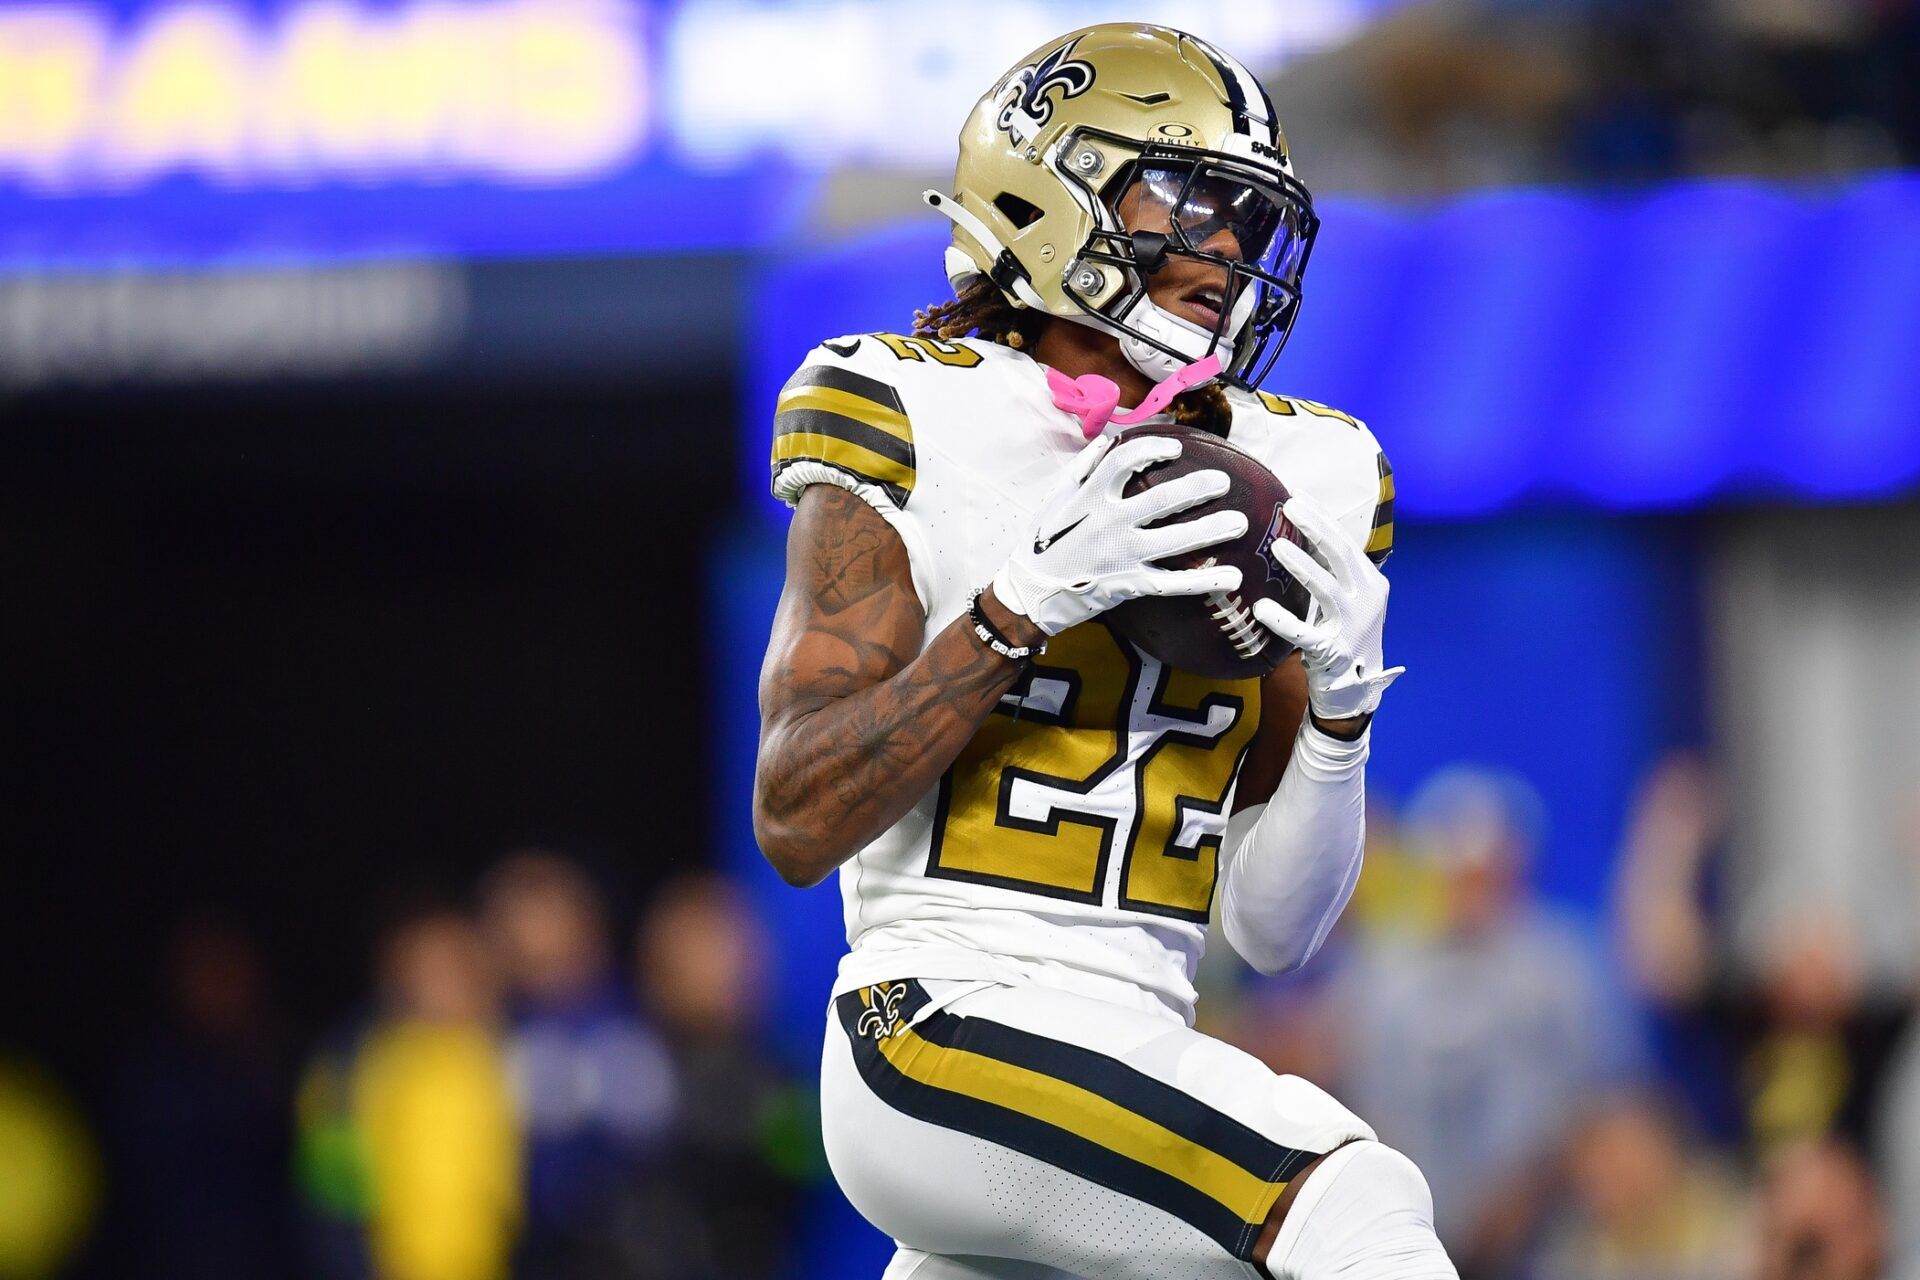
{"points": [[1183, 336]]}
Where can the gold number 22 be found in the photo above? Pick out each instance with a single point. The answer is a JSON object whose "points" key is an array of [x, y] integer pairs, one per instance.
{"points": [[1099, 752]]}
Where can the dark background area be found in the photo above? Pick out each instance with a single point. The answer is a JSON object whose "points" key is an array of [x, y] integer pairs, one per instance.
{"points": [[302, 659]]}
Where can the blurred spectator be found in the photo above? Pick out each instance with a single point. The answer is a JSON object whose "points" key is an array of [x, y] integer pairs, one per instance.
{"points": [[1645, 1203], [1897, 1139], [595, 1086], [408, 1130], [1808, 1041], [1454, 94], [200, 1127], [1472, 1049], [1820, 1216], [1399, 892], [746, 1136], [1292, 1022], [49, 1174]]}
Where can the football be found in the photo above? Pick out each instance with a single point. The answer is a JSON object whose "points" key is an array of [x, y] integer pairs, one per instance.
{"points": [[1217, 636]]}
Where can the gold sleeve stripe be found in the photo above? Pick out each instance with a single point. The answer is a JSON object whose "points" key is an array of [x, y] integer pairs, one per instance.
{"points": [[846, 405], [1070, 1106], [1380, 541], [1288, 406], [830, 414], [1325, 411], [803, 446]]}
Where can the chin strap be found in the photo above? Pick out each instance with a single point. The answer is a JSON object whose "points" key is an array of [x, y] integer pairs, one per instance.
{"points": [[1094, 398]]}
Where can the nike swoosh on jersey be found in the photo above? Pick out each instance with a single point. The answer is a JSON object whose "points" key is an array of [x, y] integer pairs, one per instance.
{"points": [[841, 351]]}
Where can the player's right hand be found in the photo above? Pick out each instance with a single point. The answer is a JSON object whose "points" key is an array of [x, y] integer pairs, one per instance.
{"points": [[1090, 547]]}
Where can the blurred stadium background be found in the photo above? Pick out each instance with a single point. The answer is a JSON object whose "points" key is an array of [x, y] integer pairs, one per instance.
{"points": [[384, 389]]}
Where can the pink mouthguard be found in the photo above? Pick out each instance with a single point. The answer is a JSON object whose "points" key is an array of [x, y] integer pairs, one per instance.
{"points": [[1095, 398]]}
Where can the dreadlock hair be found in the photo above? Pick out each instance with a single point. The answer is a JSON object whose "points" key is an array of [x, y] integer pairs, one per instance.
{"points": [[979, 309]]}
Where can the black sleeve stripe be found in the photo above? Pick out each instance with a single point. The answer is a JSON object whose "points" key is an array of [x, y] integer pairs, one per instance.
{"points": [[823, 422], [855, 424], [856, 384], [1380, 542]]}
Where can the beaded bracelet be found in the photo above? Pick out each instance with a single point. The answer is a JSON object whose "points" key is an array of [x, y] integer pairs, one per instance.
{"points": [[990, 635]]}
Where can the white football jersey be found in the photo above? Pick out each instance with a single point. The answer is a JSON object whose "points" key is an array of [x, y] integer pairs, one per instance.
{"points": [[1076, 840]]}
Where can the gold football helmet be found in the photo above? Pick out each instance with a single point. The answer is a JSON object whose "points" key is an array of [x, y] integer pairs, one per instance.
{"points": [[1075, 127]]}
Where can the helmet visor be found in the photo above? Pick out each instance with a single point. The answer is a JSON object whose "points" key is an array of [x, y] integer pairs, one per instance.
{"points": [[1252, 221], [1209, 209]]}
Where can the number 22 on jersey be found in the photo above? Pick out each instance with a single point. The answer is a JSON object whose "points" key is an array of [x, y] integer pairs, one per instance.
{"points": [[1099, 752]]}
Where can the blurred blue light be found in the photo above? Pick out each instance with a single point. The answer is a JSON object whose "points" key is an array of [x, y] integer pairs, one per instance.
{"points": [[1700, 342], [169, 132]]}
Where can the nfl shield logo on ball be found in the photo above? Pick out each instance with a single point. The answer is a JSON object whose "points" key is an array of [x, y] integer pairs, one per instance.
{"points": [[1275, 568]]}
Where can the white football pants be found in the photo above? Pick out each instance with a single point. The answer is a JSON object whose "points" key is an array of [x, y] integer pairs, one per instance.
{"points": [[1022, 1133]]}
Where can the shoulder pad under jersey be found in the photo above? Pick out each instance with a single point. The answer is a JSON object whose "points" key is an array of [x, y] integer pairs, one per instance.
{"points": [[1361, 475], [845, 414]]}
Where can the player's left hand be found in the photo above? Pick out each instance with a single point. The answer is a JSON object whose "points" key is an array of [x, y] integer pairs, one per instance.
{"points": [[1340, 642]]}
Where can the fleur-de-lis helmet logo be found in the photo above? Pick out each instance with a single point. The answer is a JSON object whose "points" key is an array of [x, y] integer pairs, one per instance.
{"points": [[1027, 101]]}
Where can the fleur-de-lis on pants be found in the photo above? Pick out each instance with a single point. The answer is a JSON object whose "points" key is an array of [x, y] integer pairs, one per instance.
{"points": [[882, 1016]]}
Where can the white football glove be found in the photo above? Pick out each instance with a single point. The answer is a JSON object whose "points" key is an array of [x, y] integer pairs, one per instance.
{"points": [[1340, 640], [1090, 548]]}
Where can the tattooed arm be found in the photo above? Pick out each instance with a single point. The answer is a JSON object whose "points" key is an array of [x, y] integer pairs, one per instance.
{"points": [[856, 721]]}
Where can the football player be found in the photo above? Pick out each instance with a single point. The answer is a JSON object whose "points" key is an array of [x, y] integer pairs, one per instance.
{"points": [[1031, 818]]}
